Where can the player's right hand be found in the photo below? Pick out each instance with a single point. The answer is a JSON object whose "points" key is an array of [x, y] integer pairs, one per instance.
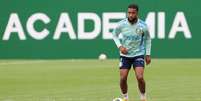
{"points": [[123, 50]]}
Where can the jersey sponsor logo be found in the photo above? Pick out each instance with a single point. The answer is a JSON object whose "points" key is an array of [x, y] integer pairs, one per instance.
{"points": [[133, 37]]}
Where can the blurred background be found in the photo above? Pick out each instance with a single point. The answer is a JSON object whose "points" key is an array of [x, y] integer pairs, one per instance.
{"points": [[61, 50]]}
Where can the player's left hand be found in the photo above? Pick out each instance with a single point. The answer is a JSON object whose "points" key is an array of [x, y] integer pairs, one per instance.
{"points": [[148, 59]]}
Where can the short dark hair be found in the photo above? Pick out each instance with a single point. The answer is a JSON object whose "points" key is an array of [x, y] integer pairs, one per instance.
{"points": [[134, 6]]}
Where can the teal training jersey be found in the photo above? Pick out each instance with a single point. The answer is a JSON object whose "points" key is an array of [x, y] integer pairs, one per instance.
{"points": [[135, 37]]}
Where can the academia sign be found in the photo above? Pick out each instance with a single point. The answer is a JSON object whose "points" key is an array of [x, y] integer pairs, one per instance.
{"points": [[65, 26], [82, 28]]}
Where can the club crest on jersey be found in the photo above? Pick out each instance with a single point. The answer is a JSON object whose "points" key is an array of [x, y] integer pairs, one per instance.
{"points": [[139, 30]]}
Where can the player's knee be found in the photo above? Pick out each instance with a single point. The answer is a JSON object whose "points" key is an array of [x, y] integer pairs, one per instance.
{"points": [[123, 79], [140, 78]]}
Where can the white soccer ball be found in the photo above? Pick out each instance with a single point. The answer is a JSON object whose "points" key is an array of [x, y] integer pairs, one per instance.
{"points": [[102, 57], [117, 99]]}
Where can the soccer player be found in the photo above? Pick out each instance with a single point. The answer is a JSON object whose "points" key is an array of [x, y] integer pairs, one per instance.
{"points": [[133, 40]]}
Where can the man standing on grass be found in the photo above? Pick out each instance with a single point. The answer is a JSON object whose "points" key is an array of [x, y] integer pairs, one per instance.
{"points": [[135, 47]]}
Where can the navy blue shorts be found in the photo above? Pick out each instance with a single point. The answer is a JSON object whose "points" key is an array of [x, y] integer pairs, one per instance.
{"points": [[127, 62]]}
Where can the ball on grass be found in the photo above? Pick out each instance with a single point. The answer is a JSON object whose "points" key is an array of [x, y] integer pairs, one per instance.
{"points": [[102, 56]]}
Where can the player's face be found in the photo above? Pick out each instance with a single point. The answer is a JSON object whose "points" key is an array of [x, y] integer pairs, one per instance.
{"points": [[132, 14]]}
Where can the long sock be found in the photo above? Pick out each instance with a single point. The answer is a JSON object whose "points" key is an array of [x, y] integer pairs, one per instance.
{"points": [[142, 96]]}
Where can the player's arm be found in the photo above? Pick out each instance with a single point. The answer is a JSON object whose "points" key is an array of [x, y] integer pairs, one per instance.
{"points": [[117, 41], [148, 46]]}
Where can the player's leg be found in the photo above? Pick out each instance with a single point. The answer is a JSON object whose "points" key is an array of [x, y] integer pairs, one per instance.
{"points": [[139, 73], [123, 81], [125, 65]]}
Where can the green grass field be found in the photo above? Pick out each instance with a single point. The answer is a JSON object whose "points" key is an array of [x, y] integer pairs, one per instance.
{"points": [[93, 80]]}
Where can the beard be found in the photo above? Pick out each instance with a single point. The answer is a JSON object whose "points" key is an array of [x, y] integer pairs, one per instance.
{"points": [[132, 21]]}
